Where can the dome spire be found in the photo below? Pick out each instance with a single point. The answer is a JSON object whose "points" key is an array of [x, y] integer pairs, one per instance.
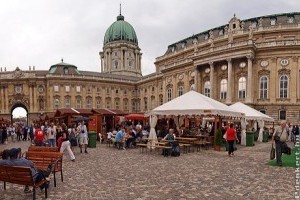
{"points": [[120, 17]]}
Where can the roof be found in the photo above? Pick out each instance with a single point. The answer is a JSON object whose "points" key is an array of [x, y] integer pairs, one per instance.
{"points": [[194, 103], [222, 27], [65, 111], [102, 111], [63, 68], [120, 30], [84, 111], [250, 113]]}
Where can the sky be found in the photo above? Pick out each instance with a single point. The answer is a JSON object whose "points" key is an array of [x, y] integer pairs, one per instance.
{"points": [[41, 32]]}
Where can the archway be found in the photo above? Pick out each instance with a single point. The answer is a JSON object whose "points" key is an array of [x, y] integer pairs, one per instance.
{"points": [[19, 114]]}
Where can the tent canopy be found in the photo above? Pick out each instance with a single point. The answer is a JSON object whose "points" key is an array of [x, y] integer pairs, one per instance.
{"points": [[194, 103], [135, 116], [250, 113]]}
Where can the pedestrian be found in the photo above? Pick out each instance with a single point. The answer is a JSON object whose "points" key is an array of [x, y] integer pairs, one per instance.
{"points": [[231, 136], [51, 133], [66, 145], [280, 137], [83, 136]]}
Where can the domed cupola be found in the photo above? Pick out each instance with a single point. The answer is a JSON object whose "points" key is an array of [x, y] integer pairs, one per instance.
{"points": [[121, 54], [120, 30]]}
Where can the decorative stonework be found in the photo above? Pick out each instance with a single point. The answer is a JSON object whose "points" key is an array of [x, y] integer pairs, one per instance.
{"points": [[18, 98], [284, 62], [181, 76], [17, 73], [264, 63]]}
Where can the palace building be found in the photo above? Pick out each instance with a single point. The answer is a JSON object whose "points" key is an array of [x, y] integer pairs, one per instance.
{"points": [[255, 61]]}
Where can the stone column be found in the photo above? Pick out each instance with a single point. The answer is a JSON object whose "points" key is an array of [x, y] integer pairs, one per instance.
{"points": [[211, 79], [249, 97], [30, 98], [229, 82], [109, 60], [6, 99], [196, 79], [2, 100], [35, 104], [101, 59], [122, 66]]}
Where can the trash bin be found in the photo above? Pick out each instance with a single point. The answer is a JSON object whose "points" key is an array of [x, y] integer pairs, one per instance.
{"points": [[249, 139], [265, 136], [92, 140]]}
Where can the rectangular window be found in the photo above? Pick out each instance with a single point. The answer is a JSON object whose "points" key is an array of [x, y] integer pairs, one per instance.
{"points": [[78, 88], [56, 88], [282, 114], [67, 88]]}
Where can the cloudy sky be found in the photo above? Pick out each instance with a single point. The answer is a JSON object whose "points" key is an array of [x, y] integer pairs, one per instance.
{"points": [[40, 32]]}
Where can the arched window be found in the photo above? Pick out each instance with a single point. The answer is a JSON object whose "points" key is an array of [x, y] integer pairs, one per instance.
{"points": [[207, 88], [169, 94], [242, 88], [180, 90], [145, 104], [78, 102], [68, 102], [263, 87], [56, 102], [223, 89], [98, 102], [283, 86], [89, 102]]}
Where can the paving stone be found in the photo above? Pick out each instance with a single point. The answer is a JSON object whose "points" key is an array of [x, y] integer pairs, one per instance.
{"points": [[108, 173]]}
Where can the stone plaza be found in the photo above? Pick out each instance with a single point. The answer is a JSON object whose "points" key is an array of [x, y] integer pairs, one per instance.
{"points": [[108, 173]]}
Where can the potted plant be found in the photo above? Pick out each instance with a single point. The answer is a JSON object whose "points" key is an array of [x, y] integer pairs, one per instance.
{"points": [[218, 140]]}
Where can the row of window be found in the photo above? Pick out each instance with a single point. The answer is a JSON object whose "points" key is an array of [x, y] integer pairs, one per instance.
{"points": [[89, 103], [242, 86]]}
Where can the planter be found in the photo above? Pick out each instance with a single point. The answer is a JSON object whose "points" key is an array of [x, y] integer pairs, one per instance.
{"points": [[217, 148]]}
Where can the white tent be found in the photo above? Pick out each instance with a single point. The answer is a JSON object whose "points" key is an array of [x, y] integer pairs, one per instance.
{"points": [[251, 114], [192, 103]]}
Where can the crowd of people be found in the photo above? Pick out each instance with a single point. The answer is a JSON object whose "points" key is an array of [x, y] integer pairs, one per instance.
{"points": [[54, 135]]}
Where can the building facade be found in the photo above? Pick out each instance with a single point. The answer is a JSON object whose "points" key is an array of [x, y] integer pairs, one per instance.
{"points": [[255, 61]]}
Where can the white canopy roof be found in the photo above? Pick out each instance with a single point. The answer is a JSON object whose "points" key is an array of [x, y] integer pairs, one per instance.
{"points": [[250, 113], [194, 103]]}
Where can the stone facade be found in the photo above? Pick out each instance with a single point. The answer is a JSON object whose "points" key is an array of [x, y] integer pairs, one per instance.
{"points": [[255, 61]]}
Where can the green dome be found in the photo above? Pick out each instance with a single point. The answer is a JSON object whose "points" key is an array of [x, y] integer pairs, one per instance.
{"points": [[120, 30]]}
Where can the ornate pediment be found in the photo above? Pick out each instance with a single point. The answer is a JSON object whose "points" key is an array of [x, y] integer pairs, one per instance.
{"points": [[17, 73]]}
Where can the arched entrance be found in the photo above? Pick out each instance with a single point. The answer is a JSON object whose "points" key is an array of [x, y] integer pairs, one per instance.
{"points": [[19, 114]]}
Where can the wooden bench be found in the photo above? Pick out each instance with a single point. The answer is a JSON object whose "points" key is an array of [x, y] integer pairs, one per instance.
{"points": [[22, 176], [164, 148], [200, 144], [186, 147], [43, 149], [142, 147], [41, 160]]}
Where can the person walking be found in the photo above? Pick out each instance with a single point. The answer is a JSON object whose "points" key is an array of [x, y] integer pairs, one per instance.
{"points": [[51, 133], [231, 136], [83, 136], [280, 136], [66, 145]]}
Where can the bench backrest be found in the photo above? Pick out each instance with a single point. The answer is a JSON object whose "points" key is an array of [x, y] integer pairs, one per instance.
{"points": [[41, 160], [42, 149], [16, 174]]}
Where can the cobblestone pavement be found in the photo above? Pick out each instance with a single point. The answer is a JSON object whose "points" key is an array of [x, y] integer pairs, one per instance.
{"points": [[108, 173]]}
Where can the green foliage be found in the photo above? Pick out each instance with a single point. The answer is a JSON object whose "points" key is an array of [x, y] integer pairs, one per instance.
{"points": [[219, 138]]}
